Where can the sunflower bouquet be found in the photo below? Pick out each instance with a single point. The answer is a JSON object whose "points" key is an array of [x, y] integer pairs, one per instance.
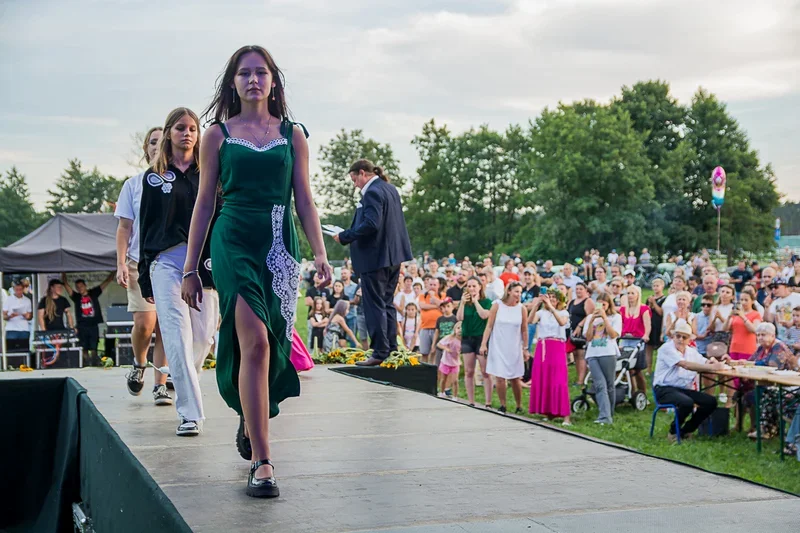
{"points": [[341, 356], [400, 358]]}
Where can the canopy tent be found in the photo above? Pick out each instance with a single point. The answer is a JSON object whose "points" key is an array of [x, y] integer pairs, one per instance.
{"points": [[65, 243]]}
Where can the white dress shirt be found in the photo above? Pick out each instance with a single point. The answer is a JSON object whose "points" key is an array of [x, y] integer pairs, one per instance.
{"points": [[366, 185]]}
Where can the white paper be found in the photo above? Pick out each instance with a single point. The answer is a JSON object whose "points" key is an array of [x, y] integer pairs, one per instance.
{"points": [[330, 229]]}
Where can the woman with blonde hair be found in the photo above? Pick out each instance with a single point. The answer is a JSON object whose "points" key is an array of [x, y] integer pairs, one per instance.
{"points": [[636, 322], [145, 322], [601, 331], [683, 301]]}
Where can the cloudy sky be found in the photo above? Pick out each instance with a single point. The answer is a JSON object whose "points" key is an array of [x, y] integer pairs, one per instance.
{"points": [[79, 77]]}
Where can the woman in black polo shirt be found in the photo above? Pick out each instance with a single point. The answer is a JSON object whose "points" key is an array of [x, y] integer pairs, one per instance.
{"points": [[169, 191]]}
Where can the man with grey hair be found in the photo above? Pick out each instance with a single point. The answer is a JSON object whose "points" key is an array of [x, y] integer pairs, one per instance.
{"points": [[674, 378], [764, 295], [710, 285]]}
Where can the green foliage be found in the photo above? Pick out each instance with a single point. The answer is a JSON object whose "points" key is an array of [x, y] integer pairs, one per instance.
{"points": [[335, 195], [592, 183], [18, 217], [81, 191], [631, 174], [471, 194]]}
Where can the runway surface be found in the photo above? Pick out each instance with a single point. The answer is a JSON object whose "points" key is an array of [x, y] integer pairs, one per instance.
{"points": [[357, 456]]}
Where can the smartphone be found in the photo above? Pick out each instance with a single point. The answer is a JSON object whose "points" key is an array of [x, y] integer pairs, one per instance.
{"points": [[543, 291]]}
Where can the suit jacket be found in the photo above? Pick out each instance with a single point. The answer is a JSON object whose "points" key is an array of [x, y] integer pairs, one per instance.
{"points": [[378, 237]]}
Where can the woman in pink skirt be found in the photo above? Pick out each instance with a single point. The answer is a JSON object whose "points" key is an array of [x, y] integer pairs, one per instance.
{"points": [[549, 379]]}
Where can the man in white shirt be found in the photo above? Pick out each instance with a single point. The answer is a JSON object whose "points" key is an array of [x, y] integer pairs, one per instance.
{"points": [[612, 257], [779, 311], [675, 380], [17, 312], [494, 286], [570, 279]]}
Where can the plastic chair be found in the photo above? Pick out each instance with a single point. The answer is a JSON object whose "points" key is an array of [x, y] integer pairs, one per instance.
{"points": [[664, 406]]}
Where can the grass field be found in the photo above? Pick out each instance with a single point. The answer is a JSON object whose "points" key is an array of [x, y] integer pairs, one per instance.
{"points": [[734, 454]]}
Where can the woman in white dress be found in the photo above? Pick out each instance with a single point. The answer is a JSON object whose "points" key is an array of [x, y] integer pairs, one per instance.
{"points": [[506, 342]]}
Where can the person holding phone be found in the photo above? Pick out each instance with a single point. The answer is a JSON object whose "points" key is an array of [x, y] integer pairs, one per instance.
{"points": [[601, 331]]}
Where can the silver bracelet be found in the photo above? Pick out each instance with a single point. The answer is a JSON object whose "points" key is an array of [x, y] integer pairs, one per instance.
{"points": [[190, 273]]}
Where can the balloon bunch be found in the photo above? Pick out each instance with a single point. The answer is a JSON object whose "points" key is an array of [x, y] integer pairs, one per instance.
{"points": [[718, 181]]}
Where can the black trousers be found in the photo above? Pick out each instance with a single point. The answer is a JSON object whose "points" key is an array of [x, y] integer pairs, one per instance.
{"points": [[685, 400], [377, 290]]}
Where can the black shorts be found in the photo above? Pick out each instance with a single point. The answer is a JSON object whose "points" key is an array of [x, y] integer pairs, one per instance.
{"points": [[88, 337], [471, 344]]}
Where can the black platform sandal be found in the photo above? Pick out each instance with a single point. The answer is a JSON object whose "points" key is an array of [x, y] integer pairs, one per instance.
{"points": [[262, 488], [242, 442]]}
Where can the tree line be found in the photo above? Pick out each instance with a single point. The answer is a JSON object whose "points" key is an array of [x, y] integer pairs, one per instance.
{"points": [[77, 190], [627, 174]]}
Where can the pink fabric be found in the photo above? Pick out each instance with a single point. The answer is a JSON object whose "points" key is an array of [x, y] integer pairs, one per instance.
{"points": [[301, 359], [634, 326], [447, 369], [549, 379], [738, 356]]}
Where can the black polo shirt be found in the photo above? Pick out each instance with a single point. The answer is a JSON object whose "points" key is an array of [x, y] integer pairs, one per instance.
{"points": [[164, 218]]}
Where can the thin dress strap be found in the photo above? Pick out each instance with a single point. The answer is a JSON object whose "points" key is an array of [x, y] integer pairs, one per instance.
{"points": [[224, 129]]}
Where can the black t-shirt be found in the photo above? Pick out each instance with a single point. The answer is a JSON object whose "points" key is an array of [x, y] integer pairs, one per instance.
{"points": [[62, 304], [547, 275], [87, 308], [745, 276], [313, 292], [456, 293], [529, 294], [164, 218], [332, 300]]}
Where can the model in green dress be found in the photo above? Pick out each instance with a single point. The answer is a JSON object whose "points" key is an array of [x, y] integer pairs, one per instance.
{"points": [[259, 159]]}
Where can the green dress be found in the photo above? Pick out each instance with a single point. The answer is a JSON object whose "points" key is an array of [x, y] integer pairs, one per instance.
{"points": [[254, 250]]}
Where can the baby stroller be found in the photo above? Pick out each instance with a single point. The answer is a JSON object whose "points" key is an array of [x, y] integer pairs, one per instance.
{"points": [[630, 350]]}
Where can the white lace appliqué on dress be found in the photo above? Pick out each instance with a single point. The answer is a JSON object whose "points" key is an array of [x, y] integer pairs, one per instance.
{"points": [[281, 141], [285, 270]]}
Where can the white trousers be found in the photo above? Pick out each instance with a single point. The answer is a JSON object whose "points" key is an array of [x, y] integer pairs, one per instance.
{"points": [[187, 334]]}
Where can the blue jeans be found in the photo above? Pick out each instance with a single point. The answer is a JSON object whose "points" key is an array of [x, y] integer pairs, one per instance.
{"points": [[351, 323], [794, 430], [17, 335], [531, 335]]}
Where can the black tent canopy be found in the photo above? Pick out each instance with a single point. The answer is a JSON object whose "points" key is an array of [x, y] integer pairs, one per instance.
{"points": [[65, 243]]}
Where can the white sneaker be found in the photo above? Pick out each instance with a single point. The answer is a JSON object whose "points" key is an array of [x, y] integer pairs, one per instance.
{"points": [[161, 396], [187, 428]]}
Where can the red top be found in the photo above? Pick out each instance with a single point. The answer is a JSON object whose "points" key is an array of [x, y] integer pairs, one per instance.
{"points": [[508, 277], [634, 326]]}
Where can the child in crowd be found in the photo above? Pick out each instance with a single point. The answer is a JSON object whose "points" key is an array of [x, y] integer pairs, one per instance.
{"points": [[793, 333], [703, 324], [444, 326], [451, 361], [411, 327], [318, 320]]}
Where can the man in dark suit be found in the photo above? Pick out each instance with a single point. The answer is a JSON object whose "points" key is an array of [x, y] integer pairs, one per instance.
{"points": [[379, 243]]}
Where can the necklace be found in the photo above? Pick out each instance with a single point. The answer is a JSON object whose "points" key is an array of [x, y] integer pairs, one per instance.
{"points": [[262, 140]]}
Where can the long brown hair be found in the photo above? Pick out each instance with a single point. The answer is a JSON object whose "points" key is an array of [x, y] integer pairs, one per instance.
{"points": [[164, 154], [226, 102], [146, 142], [369, 167], [50, 302], [605, 297]]}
